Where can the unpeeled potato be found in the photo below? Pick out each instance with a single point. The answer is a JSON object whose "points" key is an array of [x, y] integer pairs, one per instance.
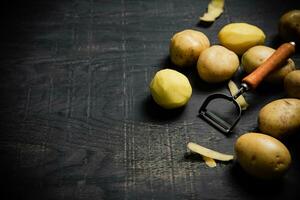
{"points": [[292, 84], [280, 117], [262, 156], [217, 64], [289, 26], [186, 46], [256, 55]]}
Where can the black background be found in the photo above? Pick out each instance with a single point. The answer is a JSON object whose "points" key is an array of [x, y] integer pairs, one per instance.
{"points": [[77, 119]]}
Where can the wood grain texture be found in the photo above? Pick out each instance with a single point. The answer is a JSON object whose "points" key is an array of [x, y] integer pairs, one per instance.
{"points": [[77, 119]]}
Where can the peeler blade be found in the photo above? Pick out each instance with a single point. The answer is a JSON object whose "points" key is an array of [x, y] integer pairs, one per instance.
{"points": [[215, 120]]}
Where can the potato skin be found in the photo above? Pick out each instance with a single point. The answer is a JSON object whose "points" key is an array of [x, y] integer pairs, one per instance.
{"points": [[186, 46], [292, 84], [280, 117], [262, 156], [289, 26], [256, 55], [217, 64]]}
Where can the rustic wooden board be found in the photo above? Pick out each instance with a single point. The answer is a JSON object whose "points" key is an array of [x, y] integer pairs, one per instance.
{"points": [[77, 119]]}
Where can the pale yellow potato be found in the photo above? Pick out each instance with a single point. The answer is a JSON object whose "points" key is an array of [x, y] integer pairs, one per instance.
{"points": [[280, 117], [292, 84], [217, 64], [170, 89], [262, 156], [239, 37], [186, 46], [256, 55]]}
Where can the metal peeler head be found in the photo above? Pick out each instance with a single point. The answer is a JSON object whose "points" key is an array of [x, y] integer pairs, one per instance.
{"points": [[214, 119]]}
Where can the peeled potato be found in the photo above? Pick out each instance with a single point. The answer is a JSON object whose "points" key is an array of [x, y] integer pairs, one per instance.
{"points": [[170, 89], [256, 55], [262, 156], [239, 37], [186, 46]]}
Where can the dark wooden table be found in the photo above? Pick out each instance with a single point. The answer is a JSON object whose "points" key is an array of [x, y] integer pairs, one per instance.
{"points": [[77, 119]]}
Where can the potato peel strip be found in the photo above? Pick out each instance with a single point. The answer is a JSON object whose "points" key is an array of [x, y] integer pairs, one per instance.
{"points": [[240, 100], [214, 10], [209, 161], [208, 152]]}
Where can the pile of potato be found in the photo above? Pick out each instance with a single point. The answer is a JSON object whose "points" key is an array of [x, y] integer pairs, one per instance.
{"points": [[260, 154]]}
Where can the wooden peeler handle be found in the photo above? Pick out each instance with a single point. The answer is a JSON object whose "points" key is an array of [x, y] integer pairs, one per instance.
{"points": [[273, 62]]}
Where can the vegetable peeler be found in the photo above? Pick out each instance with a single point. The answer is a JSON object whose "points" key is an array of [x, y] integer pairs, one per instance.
{"points": [[250, 82]]}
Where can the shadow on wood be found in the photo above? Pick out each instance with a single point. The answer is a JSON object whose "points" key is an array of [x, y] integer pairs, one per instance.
{"points": [[192, 157], [249, 184], [159, 114], [204, 24]]}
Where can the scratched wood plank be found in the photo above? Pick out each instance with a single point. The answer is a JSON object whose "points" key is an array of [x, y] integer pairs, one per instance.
{"points": [[77, 120]]}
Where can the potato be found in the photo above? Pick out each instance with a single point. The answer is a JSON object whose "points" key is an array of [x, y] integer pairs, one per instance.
{"points": [[186, 46], [217, 64], [280, 117], [292, 84], [289, 26], [239, 37], [170, 89], [255, 56], [262, 156]]}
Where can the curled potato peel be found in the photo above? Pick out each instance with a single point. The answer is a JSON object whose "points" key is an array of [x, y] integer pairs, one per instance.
{"points": [[240, 100], [214, 10], [208, 152], [209, 161]]}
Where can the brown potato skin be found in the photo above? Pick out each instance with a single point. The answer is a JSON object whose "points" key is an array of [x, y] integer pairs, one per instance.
{"points": [[256, 55], [289, 26], [292, 84], [262, 156], [280, 117], [186, 46], [217, 64]]}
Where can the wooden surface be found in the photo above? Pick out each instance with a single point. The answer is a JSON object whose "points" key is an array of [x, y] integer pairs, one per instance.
{"points": [[77, 119]]}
